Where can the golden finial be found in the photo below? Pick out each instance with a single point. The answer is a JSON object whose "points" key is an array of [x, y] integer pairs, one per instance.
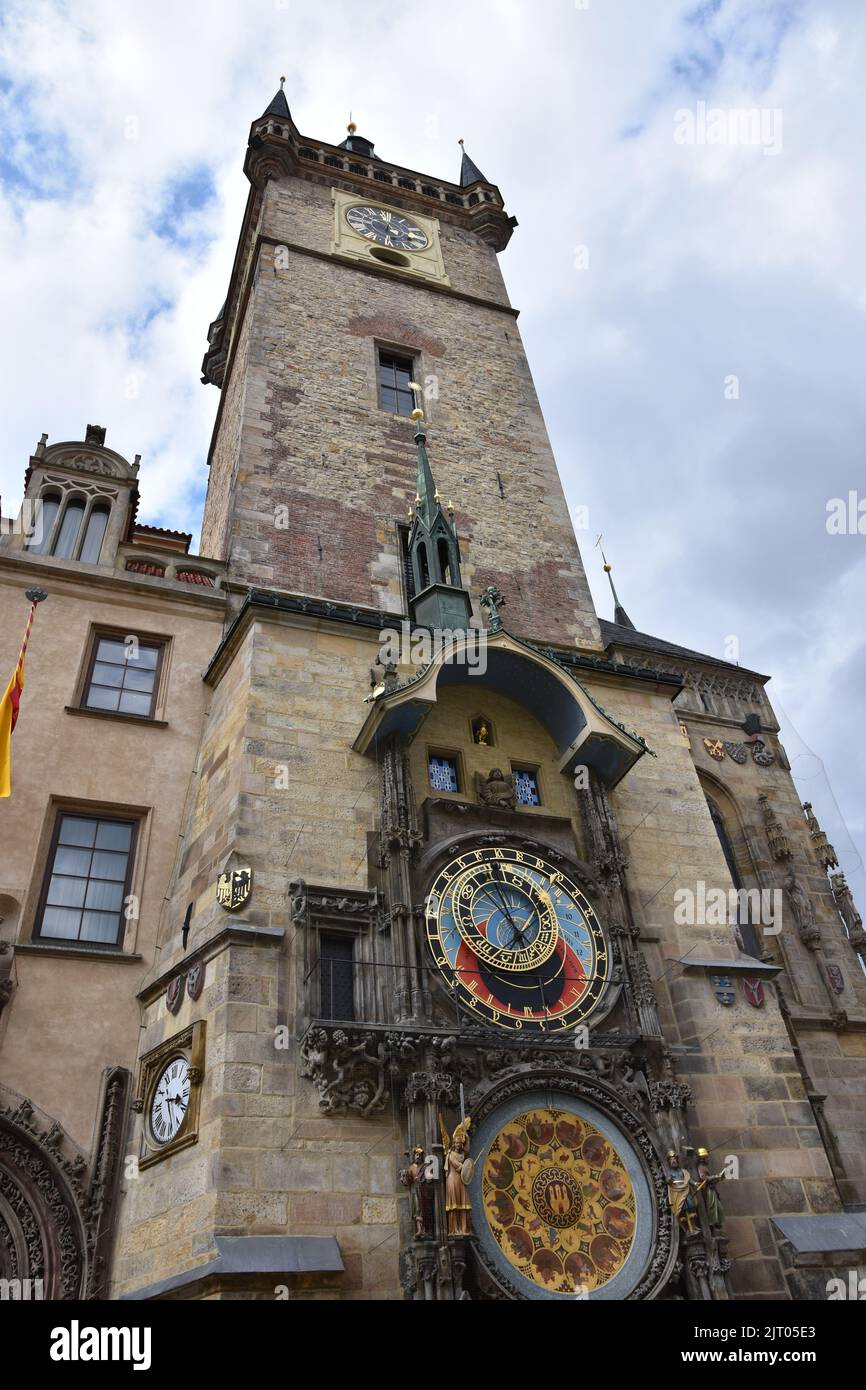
{"points": [[417, 414], [417, 499], [450, 506], [351, 127], [607, 568], [410, 513], [436, 497]]}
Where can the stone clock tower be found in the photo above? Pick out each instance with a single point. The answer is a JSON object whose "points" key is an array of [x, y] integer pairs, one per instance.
{"points": [[441, 1033]]}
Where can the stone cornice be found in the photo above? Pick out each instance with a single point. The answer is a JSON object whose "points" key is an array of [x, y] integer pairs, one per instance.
{"points": [[234, 933], [163, 591], [374, 620]]}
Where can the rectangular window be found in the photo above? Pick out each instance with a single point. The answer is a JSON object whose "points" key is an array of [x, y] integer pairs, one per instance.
{"points": [[526, 786], [395, 373], [337, 972], [87, 879], [443, 773], [123, 676]]}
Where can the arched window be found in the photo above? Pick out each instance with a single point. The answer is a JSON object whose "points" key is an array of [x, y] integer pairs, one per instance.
{"points": [[748, 931], [423, 567], [444, 562], [67, 536], [47, 507], [95, 533]]}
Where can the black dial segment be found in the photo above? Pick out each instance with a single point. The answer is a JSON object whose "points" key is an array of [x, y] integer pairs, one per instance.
{"points": [[386, 228]]}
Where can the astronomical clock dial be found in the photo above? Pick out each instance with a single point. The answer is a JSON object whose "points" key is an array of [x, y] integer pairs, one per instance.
{"points": [[386, 228], [517, 941], [563, 1205], [170, 1100]]}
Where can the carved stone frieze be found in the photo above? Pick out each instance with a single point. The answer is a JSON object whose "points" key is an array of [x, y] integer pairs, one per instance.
{"points": [[668, 1094], [105, 1177], [306, 899], [42, 1192]]}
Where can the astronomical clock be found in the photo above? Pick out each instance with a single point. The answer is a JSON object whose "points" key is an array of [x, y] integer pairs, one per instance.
{"points": [[516, 941]]}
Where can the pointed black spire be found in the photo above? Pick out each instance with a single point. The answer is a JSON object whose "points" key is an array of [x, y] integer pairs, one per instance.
{"points": [[469, 172], [279, 106], [440, 600], [620, 616]]}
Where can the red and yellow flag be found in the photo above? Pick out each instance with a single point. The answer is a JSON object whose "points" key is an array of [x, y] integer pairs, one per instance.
{"points": [[9, 707]]}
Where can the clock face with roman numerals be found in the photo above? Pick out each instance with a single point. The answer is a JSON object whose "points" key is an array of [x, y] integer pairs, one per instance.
{"points": [[386, 228], [517, 941], [170, 1100]]}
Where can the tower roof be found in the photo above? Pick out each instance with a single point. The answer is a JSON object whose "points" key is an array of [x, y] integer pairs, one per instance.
{"points": [[357, 144], [279, 106], [469, 172]]}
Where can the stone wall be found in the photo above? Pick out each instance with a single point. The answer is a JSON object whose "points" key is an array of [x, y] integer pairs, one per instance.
{"points": [[72, 1013], [749, 1098], [301, 430]]}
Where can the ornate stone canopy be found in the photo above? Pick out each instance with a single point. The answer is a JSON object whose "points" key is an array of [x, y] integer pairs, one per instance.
{"points": [[584, 733]]}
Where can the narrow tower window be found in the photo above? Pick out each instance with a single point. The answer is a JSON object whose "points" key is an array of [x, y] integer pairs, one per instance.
{"points": [[336, 964], [395, 373], [445, 563]]}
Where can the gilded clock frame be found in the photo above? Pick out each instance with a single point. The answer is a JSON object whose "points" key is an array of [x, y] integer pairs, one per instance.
{"points": [[347, 244], [190, 1044], [459, 846]]}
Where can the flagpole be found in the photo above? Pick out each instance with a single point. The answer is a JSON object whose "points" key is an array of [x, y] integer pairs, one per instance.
{"points": [[36, 596], [9, 704]]}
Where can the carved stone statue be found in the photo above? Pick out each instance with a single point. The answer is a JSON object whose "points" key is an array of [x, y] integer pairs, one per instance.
{"points": [[804, 912], [706, 1185], [496, 789], [680, 1193], [421, 1194], [458, 1174], [482, 733], [848, 912]]}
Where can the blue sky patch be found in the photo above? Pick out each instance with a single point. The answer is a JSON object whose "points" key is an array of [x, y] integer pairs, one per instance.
{"points": [[183, 197]]}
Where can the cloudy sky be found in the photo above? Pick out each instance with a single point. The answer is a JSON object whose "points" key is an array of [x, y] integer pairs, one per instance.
{"points": [[693, 310]]}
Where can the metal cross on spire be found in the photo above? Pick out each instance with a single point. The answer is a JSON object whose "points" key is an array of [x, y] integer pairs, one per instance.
{"points": [[620, 616]]}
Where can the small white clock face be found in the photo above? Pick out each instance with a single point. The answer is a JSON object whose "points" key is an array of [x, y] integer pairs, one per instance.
{"points": [[170, 1100], [386, 228]]}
